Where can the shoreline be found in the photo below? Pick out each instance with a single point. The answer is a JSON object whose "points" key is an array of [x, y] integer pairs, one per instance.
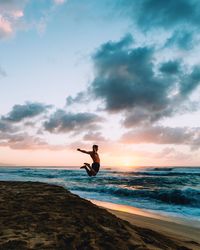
{"points": [[146, 213], [168, 225]]}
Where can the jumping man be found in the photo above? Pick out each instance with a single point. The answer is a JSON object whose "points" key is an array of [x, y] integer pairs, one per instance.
{"points": [[92, 170]]}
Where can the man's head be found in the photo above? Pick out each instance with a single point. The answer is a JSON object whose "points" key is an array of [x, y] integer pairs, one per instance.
{"points": [[95, 147]]}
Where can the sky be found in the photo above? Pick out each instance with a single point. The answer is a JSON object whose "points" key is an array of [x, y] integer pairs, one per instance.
{"points": [[122, 74]]}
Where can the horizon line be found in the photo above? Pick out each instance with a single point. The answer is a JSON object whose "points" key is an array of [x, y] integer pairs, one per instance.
{"points": [[104, 167]]}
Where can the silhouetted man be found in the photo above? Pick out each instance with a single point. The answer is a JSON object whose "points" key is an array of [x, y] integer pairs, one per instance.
{"points": [[94, 169]]}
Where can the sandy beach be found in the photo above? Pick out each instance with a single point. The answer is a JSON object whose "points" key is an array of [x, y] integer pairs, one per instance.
{"points": [[175, 227], [42, 216]]}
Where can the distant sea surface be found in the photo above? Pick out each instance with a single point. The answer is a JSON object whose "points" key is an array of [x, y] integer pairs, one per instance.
{"points": [[172, 191]]}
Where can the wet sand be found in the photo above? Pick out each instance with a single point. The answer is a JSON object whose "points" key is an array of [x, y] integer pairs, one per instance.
{"points": [[41, 216]]}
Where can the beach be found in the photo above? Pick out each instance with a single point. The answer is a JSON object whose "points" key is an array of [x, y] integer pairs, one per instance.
{"points": [[173, 229], [41, 216], [173, 226]]}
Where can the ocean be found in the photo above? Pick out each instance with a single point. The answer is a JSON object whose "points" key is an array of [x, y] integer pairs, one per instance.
{"points": [[168, 191]]}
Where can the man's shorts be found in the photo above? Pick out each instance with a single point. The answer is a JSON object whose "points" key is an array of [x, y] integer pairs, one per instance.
{"points": [[96, 166]]}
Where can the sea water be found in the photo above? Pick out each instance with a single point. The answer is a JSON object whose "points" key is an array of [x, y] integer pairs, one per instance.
{"points": [[173, 191]]}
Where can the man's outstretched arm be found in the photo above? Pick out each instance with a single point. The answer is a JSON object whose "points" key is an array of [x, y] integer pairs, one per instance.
{"points": [[83, 151]]}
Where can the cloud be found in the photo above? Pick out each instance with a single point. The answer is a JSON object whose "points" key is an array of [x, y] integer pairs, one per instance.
{"points": [[5, 27], [179, 20], [172, 155], [7, 127], [150, 14], [13, 133], [61, 122], [24, 141], [140, 116], [11, 14], [28, 110], [93, 136], [164, 135], [19, 131], [190, 82], [130, 80], [21, 141], [121, 74], [170, 67], [184, 39], [81, 97]]}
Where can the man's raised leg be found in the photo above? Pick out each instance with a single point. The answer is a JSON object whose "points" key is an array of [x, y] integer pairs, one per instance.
{"points": [[90, 168], [89, 172]]}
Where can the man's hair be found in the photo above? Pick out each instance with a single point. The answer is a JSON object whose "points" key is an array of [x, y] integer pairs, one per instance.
{"points": [[95, 146]]}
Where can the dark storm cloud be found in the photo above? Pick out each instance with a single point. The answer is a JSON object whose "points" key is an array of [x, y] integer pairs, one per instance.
{"points": [[170, 67], [125, 80], [113, 46], [164, 135], [124, 76], [28, 110], [179, 18], [150, 14], [183, 39], [190, 82], [61, 122], [129, 80]]}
